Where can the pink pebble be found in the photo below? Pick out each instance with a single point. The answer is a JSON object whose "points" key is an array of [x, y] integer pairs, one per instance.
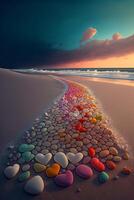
{"points": [[84, 171], [65, 180]]}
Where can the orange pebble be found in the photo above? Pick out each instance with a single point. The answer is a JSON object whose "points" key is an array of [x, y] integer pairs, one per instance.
{"points": [[93, 120], [53, 170]]}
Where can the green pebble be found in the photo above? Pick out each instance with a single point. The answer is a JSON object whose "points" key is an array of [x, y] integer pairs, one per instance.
{"points": [[24, 176], [27, 156], [26, 147], [103, 177]]}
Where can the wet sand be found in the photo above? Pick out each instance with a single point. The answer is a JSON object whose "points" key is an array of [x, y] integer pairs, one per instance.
{"points": [[117, 101]]}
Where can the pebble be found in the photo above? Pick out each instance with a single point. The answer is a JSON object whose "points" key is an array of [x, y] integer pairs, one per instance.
{"points": [[44, 151], [103, 177], [11, 171], [27, 156], [84, 171], [125, 156], [113, 151], [43, 159], [104, 153], [26, 147], [91, 152], [117, 158], [25, 167], [24, 176], [97, 164], [39, 167], [54, 147], [61, 158], [86, 141], [64, 180], [74, 158], [35, 185], [73, 150], [110, 165], [126, 171], [53, 170]]}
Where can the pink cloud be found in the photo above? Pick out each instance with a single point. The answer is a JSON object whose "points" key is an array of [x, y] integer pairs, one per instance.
{"points": [[88, 34], [116, 36], [94, 49]]}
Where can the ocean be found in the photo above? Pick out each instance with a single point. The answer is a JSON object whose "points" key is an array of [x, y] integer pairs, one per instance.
{"points": [[110, 73]]}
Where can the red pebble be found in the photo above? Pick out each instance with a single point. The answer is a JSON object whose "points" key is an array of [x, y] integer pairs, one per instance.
{"points": [[80, 128], [110, 165], [82, 120], [79, 107], [126, 171], [86, 115], [91, 152], [97, 164]]}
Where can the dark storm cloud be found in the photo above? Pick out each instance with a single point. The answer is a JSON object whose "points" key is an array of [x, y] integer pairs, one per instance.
{"points": [[34, 54]]}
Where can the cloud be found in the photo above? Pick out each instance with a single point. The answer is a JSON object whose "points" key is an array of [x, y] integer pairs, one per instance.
{"points": [[88, 34], [116, 36], [49, 55]]}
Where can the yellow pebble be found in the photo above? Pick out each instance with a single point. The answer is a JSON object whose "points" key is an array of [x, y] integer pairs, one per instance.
{"points": [[39, 167]]}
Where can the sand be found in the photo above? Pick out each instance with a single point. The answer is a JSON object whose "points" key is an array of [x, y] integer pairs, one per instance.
{"points": [[116, 100], [23, 98]]}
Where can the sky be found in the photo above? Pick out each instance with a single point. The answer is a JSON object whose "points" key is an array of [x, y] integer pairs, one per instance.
{"points": [[66, 33]]}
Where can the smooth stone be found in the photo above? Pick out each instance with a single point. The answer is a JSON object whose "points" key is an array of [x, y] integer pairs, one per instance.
{"points": [[117, 158], [39, 167], [65, 180], [103, 177], [53, 170], [110, 165], [126, 171], [97, 164], [74, 158], [113, 151], [84, 171], [43, 159], [24, 176], [61, 158], [54, 147], [104, 153], [73, 150], [25, 167], [91, 152], [11, 171], [35, 185], [125, 156], [27, 156], [86, 141], [26, 147], [44, 151]]}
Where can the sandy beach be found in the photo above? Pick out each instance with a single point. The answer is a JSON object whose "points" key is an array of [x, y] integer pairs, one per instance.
{"points": [[25, 96]]}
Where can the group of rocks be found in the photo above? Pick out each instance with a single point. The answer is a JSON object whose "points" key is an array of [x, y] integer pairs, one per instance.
{"points": [[72, 136]]}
